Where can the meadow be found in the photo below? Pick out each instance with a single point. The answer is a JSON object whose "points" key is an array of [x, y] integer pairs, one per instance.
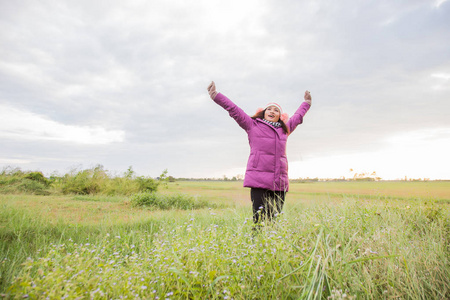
{"points": [[334, 240]]}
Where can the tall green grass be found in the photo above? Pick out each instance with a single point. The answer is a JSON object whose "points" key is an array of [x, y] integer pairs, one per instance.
{"points": [[349, 249], [155, 201]]}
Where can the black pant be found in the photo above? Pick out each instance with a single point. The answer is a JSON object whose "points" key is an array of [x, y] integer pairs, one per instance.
{"points": [[266, 204]]}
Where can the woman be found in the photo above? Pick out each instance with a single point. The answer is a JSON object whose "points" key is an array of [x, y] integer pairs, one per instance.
{"points": [[267, 167]]}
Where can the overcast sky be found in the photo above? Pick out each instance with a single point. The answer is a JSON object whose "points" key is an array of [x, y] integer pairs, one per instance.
{"points": [[123, 83]]}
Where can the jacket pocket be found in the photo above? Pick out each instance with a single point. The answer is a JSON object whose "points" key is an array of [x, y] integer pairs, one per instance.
{"points": [[284, 165], [256, 160]]}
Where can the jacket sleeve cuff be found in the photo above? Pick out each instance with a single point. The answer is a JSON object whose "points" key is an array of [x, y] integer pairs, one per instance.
{"points": [[303, 109]]}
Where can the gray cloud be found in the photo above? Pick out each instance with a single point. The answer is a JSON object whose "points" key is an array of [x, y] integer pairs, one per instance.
{"points": [[143, 68]]}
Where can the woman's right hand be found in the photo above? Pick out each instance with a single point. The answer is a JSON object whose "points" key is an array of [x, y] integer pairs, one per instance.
{"points": [[212, 90], [308, 97]]}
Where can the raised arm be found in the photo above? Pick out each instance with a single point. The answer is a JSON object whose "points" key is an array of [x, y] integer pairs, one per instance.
{"points": [[297, 118], [244, 120]]}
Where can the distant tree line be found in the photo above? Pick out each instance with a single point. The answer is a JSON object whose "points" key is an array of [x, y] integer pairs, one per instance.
{"points": [[91, 181]]}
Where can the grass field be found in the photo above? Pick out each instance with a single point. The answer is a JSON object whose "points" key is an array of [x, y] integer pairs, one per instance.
{"points": [[334, 240]]}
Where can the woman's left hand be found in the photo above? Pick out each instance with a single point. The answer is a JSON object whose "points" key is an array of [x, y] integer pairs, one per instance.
{"points": [[212, 90], [308, 97]]}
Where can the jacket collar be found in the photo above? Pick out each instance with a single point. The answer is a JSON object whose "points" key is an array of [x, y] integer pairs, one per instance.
{"points": [[267, 124]]}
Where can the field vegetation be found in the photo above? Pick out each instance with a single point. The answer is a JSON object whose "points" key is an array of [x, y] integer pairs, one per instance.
{"points": [[334, 240], [94, 181]]}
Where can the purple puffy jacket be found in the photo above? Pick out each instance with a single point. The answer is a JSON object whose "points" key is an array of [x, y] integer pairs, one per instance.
{"points": [[267, 166]]}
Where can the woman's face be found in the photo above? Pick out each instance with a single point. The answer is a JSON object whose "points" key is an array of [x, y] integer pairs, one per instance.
{"points": [[272, 114]]}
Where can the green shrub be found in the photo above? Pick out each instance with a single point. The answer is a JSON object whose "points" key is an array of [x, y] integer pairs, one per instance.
{"points": [[120, 186], [16, 181], [83, 182], [9, 180], [154, 200], [39, 177], [32, 187], [10, 177], [147, 184]]}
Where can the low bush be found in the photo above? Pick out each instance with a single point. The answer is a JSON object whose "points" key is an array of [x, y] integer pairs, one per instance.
{"points": [[83, 182], [147, 184], [154, 200], [32, 187], [38, 177], [16, 181]]}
